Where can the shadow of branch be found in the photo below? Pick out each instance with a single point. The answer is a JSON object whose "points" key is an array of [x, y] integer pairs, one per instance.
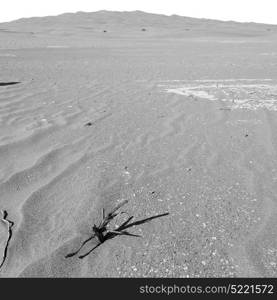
{"points": [[121, 230]]}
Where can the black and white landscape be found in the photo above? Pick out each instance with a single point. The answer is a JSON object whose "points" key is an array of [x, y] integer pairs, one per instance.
{"points": [[174, 117]]}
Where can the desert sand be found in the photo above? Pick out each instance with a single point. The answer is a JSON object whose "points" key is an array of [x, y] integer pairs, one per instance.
{"points": [[173, 114]]}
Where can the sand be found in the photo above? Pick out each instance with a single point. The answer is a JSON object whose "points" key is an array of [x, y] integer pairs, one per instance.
{"points": [[182, 119]]}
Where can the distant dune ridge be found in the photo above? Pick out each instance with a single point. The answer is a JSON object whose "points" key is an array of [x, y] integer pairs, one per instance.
{"points": [[165, 113], [129, 20], [58, 31]]}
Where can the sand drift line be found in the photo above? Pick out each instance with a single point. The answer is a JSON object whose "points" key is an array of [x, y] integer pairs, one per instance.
{"points": [[10, 226]]}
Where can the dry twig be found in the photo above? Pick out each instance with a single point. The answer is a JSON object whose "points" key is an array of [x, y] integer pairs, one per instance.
{"points": [[10, 226], [102, 233]]}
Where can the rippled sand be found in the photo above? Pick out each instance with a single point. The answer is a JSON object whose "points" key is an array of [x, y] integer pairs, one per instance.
{"points": [[180, 121]]}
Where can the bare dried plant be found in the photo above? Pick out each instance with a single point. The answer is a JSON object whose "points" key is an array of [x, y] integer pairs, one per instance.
{"points": [[102, 233]]}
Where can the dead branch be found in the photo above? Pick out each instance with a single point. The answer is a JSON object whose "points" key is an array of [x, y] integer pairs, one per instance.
{"points": [[10, 226]]}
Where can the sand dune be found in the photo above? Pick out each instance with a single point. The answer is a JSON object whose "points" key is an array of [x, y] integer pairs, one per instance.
{"points": [[177, 118]]}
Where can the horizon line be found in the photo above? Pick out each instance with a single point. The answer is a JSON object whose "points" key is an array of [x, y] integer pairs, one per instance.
{"points": [[141, 11]]}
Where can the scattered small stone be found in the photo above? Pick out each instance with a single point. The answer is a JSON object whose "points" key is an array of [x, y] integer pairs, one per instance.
{"points": [[88, 124]]}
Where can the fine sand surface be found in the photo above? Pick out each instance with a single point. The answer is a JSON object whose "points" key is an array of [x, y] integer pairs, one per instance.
{"points": [[183, 119]]}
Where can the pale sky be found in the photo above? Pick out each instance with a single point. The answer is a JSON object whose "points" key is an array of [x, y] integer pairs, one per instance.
{"points": [[263, 11]]}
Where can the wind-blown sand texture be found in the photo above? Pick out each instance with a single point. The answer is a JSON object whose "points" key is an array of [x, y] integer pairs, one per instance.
{"points": [[181, 117]]}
